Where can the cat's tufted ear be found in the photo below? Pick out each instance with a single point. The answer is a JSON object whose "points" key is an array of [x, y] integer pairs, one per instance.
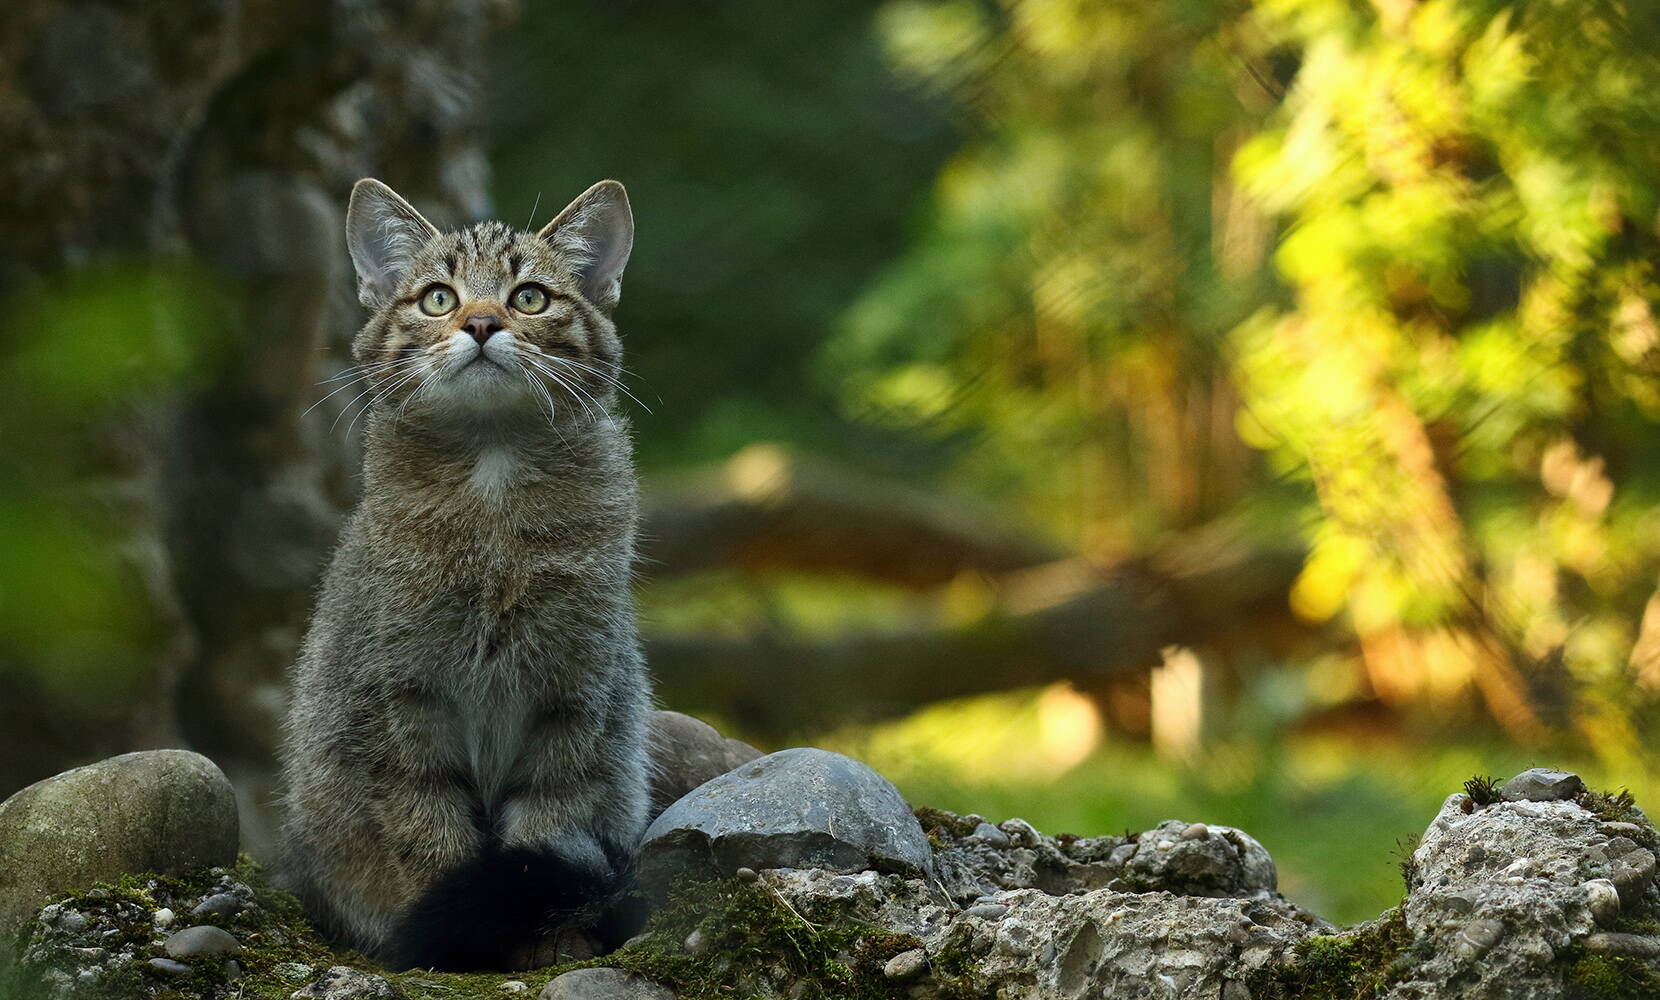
{"points": [[596, 233], [383, 233]]}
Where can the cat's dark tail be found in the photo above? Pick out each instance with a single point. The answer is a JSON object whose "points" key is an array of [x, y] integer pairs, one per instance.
{"points": [[484, 912]]}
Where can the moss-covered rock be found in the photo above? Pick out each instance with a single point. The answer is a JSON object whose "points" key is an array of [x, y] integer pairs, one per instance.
{"points": [[1506, 899], [166, 811]]}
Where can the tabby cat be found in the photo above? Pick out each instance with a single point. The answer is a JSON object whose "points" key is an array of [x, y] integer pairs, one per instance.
{"points": [[464, 756]]}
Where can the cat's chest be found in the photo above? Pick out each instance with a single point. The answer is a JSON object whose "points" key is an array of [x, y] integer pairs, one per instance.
{"points": [[488, 716]]}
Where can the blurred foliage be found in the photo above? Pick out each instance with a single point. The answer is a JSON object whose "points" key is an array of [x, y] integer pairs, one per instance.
{"points": [[1084, 261], [773, 163], [1449, 354], [84, 358], [1467, 374]]}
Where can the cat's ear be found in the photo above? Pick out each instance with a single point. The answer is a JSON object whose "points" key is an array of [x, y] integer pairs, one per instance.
{"points": [[596, 233], [383, 233]]}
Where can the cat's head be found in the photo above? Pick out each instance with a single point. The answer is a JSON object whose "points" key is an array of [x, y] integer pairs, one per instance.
{"points": [[490, 319]]}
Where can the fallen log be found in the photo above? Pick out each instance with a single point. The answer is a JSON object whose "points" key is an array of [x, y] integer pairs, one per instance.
{"points": [[1065, 620], [767, 508]]}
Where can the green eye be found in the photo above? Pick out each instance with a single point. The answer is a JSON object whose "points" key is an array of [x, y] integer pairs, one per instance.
{"points": [[438, 300], [530, 298]]}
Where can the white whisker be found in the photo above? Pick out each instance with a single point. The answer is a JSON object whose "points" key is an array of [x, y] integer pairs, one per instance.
{"points": [[339, 389], [573, 390], [613, 380]]}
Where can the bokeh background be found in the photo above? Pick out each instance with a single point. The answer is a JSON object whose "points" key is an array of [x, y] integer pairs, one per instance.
{"points": [[1096, 411]]}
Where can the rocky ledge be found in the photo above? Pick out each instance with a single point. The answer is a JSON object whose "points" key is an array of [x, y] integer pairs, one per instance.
{"points": [[803, 874]]}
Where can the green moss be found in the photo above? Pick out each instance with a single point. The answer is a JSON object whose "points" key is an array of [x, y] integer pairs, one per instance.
{"points": [[1359, 964], [940, 825], [750, 935], [272, 932], [750, 932], [1483, 790], [1608, 977]]}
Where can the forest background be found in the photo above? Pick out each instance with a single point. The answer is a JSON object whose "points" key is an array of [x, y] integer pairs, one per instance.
{"points": [[1097, 412]]}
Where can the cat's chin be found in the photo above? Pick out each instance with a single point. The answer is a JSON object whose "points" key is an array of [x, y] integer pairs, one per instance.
{"points": [[482, 386]]}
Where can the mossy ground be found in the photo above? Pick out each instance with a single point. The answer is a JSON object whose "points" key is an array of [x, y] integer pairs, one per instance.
{"points": [[752, 943]]}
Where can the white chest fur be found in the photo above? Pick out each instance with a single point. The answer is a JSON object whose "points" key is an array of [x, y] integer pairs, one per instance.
{"points": [[494, 473], [488, 722]]}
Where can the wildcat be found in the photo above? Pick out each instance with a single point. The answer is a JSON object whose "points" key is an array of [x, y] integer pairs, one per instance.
{"points": [[464, 755]]}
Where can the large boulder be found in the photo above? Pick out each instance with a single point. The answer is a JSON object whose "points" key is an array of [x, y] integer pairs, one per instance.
{"points": [[1537, 890], [686, 752], [797, 808], [161, 811]]}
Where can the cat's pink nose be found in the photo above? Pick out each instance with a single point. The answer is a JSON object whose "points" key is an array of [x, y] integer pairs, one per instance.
{"points": [[482, 326]]}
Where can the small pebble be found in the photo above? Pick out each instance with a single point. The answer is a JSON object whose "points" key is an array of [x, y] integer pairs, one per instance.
{"points": [[162, 917], [986, 911], [73, 921], [168, 967], [91, 955], [990, 835], [1196, 831], [906, 965], [204, 940], [515, 986], [233, 970], [1479, 936], [746, 874], [1021, 833], [697, 942], [1628, 945], [223, 904]]}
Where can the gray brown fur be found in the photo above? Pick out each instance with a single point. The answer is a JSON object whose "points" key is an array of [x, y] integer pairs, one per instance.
{"points": [[472, 670]]}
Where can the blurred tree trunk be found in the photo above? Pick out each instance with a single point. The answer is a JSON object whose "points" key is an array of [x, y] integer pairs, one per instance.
{"points": [[223, 135]]}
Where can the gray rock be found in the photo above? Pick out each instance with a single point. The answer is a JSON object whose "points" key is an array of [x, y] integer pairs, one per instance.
{"points": [[1218, 861], [168, 967], [1541, 784], [1494, 930], [686, 752], [163, 811], [986, 911], [1630, 868], [906, 965], [193, 942], [224, 904], [603, 984], [345, 983], [1083, 946], [797, 808], [990, 835], [1642, 946]]}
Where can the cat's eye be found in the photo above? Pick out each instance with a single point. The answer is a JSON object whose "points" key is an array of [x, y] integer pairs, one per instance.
{"points": [[529, 298], [438, 300]]}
